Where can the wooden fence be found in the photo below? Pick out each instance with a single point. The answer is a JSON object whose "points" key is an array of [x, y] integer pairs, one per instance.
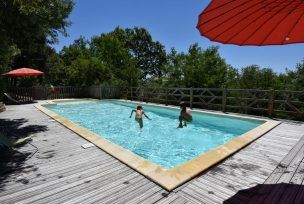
{"points": [[106, 92], [42, 93], [60, 92], [273, 103]]}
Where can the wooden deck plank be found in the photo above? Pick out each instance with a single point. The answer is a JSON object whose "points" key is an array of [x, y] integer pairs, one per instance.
{"points": [[279, 180], [142, 194], [126, 193], [179, 200], [247, 160], [254, 147], [284, 193], [227, 189], [239, 170], [86, 192], [88, 186], [209, 189], [168, 199], [257, 163], [101, 187], [106, 194], [196, 196], [63, 172], [43, 177], [233, 179], [50, 188], [299, 199], [277, 173], [298, 177], [292, 167], [155, 197], [213, 188], [263, 155]]}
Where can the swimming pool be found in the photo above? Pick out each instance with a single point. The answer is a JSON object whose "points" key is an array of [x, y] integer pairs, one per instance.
{"points": [[159, 141], [160, 148]]}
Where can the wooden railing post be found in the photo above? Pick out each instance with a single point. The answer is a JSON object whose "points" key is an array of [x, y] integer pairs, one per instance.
{"points": [[270, 103], [43, 90], [100, 91], [191, 98], [167, 92], [146, 95], [224, 100], [141, 94]]}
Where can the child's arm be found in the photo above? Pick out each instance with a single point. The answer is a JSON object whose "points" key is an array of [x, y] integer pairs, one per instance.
{"points": [[146, 116], [132, 113]]}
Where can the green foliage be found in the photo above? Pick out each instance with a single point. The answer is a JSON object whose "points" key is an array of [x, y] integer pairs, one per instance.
{"points": [[199, 68], [87, 71], [174, 69], [232, 78], [28, 26], [249, 77], [120, 47], [126, 57], [298, 76], [150, 55], [253, 77], [78, 49], [110, 50], [55, 70]]}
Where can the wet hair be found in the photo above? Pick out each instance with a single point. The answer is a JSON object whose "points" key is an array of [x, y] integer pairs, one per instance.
{"points": [[183, 104], [139, 108]]}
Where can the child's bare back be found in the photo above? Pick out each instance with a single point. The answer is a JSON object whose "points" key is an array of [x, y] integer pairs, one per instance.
{"points": [[138, 116]]}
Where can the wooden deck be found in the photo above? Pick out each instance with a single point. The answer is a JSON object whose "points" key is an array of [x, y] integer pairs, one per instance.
{"points": [[270, 170]]}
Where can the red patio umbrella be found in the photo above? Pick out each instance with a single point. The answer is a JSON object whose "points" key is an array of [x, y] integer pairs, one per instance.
{"points": [[24, 72], [253, 22]]}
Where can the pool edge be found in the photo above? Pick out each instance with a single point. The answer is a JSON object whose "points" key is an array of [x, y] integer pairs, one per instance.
{"points": [[169, 179]]}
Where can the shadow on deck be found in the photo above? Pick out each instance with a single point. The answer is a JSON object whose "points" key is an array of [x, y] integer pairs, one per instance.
{"points": [[284, 185], [270, 193], [11, 159]]}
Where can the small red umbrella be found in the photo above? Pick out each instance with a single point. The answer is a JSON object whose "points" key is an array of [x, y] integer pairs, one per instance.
{"points": [[24, 72], [253, 22]]}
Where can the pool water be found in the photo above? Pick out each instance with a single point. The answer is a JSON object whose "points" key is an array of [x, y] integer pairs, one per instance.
{"points": [[159, 141]]}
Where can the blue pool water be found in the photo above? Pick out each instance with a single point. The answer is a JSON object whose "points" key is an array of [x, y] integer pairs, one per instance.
{"points": [[160, 141]]}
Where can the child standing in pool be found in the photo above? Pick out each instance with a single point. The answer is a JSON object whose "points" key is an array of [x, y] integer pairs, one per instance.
{"points": [[138, 117], [184, 115]]}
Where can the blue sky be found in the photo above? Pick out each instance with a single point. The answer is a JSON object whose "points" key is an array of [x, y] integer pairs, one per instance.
{"points": [[172, 22]]}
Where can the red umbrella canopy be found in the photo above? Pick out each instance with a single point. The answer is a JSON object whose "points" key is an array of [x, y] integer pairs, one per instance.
{"points": [[24, 72], [253, 22]]}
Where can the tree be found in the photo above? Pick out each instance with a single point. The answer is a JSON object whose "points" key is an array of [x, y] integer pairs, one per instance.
{"points": [[56, 71], [87, 72], [231, 78], [204, 68], [253, 77], [30, 25], [111, 52], [78, 49], [150, 55], [267, 78], [173, 69], [249, 77], [27, 27], [298, 81]]}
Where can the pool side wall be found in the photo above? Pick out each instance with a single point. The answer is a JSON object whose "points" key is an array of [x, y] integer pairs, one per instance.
{"points": [[169, 179]]}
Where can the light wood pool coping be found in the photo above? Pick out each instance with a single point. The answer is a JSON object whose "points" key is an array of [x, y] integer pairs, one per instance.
{"points": [[169, 179]]}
